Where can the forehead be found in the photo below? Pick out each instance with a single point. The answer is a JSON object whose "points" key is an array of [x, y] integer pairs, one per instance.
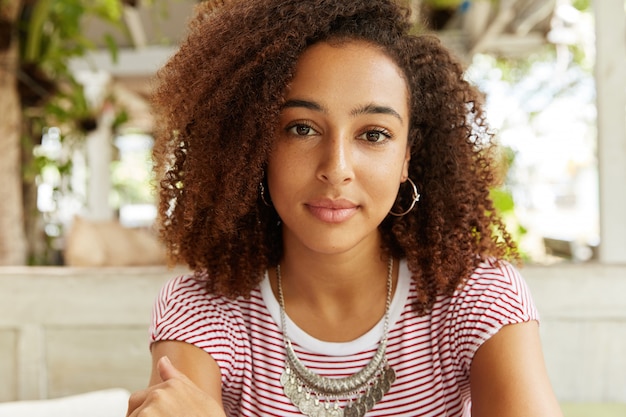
{"points": [[355, 70]]}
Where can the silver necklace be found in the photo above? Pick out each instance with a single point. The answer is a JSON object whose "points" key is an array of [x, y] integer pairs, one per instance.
{"points": [[319, 396]]}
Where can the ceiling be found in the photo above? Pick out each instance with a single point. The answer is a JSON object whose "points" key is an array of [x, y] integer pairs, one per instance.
{"points": [[503, 27]]}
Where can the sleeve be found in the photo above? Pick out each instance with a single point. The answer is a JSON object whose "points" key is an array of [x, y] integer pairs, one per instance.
{"points": [[494, 296], [184, 311]]}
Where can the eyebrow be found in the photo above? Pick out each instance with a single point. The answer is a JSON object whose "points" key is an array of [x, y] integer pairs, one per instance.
{"points": [[376, 109], [311, 105], [370, 108]]}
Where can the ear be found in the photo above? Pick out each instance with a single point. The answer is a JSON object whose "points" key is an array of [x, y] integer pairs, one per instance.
{"points": [[405, 165]]}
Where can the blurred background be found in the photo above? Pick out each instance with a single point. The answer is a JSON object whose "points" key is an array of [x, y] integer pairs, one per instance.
{"points": [[76, 84], [80, 262]]}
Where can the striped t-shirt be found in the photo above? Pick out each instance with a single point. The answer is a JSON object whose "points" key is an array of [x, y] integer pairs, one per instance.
{"points": [[431, 354]]}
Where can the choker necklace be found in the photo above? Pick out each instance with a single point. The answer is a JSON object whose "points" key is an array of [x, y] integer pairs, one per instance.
{"points": [[319, 396]]}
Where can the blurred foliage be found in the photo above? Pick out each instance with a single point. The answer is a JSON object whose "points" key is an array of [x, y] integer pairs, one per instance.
{"points": [[53, 32], [582, 5], [50, 34], [514, 69], [539, 80], [443, 4], [502, 197], [132, 174]]}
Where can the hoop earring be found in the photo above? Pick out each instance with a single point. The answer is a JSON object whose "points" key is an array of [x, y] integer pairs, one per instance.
{"points": [[415, 197], [262, 194]]}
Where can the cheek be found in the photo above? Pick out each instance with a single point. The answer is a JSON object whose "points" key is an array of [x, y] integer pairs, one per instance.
{"points": [[387, 178], [383, 181], [282, 173], [275, 161]]}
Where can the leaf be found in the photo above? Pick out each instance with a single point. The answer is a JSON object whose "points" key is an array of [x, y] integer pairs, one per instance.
{"points": [[120, 118], [38, 19], [109, 10], [112, 47], [502, 200]]}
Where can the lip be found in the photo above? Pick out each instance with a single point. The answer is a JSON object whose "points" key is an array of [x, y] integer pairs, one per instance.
{"points": [[332, 210]]}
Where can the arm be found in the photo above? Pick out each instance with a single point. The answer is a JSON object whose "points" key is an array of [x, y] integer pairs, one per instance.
{"points": [[185, 380], [508, 377]]}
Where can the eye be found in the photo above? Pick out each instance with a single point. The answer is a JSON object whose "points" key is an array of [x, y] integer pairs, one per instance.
{"points": [[376, 135], [301, 129]]}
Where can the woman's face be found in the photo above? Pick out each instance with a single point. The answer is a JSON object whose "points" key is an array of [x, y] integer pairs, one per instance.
{"points": [[341, 149]]}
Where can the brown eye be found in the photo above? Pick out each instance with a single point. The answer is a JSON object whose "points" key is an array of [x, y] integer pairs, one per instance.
{"points": [[301, 129], [376, 136]]}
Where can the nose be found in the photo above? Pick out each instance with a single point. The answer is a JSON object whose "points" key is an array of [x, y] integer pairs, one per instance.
{"points": [[336, 161]]}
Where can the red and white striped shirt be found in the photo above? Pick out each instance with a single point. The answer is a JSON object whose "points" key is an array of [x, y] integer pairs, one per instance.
{"points": [[431, 354]]}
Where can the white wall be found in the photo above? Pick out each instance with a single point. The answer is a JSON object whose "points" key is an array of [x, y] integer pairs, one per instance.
{"points": [[68, 330], [583, 328]]}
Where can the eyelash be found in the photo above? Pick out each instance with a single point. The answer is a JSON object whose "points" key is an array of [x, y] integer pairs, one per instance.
{"points": [[299, 124], [381, 131], [289, 129]]}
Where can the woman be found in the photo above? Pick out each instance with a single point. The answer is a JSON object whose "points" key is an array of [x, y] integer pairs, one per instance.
{"points": [[326, 176]]}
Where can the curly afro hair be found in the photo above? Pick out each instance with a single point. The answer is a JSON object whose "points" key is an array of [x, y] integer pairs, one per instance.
{"points": [[218, 99]]}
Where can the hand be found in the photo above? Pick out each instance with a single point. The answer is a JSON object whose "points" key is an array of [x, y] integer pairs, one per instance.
{"points": [[176, 395]]}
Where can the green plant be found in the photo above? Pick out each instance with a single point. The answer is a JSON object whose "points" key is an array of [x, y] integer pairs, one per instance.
{"points": [[50, 34], [54, 32], [502, 197], [443, 4]]}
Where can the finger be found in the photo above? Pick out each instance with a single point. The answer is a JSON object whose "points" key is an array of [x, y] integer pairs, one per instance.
{"points": [[135, 400], [168, 371]]}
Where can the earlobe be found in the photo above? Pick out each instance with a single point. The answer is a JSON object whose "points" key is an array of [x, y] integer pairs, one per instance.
{"points": [[405, 165]]}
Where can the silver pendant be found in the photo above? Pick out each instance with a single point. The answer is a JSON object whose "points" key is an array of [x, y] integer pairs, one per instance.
{"points": [[309, 403], [372, 395], [318, 396]]}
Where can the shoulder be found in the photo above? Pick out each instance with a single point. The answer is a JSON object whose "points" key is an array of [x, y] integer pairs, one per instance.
{"points": [[181, 287], [498, 286], [189, 292], [183, 297], [494, 296], [501, 345], [186, 311]]}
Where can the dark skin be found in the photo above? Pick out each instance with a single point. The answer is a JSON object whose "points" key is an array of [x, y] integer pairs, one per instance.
{"points": [[508, 376], [340, 281], [183, 377]]}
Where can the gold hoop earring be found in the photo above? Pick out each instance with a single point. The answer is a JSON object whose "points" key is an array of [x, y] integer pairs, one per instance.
{"points": [[415, 197], [262, 193]]}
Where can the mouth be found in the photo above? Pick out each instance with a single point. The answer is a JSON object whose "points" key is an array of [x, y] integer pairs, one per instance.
{"points": [[332, 211]]}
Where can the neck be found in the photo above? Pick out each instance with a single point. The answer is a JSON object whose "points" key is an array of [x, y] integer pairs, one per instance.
{"points": [[343, 278], [376, 373], [337, 298], [344, 271]]}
